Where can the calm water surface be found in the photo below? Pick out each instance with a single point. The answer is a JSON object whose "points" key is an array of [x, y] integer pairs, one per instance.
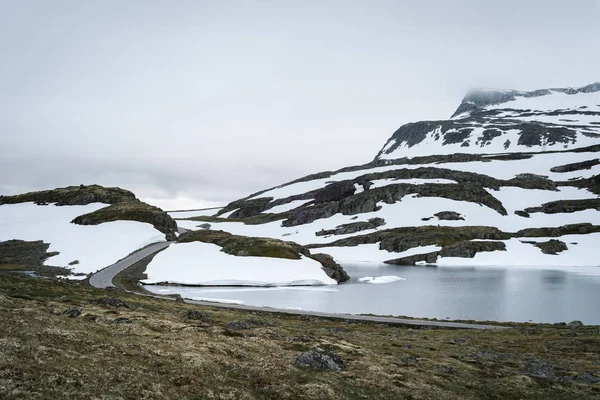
{"points": [[479, 293]]}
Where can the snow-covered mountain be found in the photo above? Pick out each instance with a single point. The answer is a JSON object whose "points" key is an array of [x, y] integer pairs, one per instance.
{"points": [[513, 178], [505, 121]]}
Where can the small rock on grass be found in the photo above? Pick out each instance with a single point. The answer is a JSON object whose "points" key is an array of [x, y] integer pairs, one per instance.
{"points": [[575, 324], [320, 360], [198, 316], [122, 320], [72, 312], [110, 301]]}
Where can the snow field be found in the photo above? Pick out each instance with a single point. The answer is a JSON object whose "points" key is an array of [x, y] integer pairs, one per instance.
{"points": [[95, 246], [199, 263]]}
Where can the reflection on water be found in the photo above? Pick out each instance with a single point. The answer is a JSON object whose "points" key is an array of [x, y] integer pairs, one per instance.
{"points": [[493, 293]]}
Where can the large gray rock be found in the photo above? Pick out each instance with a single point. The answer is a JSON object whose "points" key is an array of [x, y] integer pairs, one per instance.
{"points": [[352, 227], [331, 268], [320, 360]]}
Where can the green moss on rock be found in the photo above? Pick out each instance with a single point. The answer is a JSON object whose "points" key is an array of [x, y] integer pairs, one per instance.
{"points": [[72, 195], [134, 210], [245, 246]]}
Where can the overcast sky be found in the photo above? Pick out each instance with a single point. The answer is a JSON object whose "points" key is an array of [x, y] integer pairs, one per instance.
{"points": [[197, 103]]}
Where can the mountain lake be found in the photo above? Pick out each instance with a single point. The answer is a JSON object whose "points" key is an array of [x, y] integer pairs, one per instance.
{"points": [[518, 294]]}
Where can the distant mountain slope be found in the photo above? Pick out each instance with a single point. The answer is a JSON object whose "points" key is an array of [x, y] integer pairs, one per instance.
{"points": [[505, 121], [428, 198]]}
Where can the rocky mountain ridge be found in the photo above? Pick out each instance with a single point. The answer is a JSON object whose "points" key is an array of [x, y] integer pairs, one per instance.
{"points": [[451, 180], [505, 121]]}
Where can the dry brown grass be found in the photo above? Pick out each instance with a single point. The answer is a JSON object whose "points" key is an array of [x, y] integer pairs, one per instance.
{"points": [[163, 355]]}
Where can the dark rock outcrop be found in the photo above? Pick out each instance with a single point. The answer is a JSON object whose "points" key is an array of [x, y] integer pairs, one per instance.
{"points": [[123, 206], [243, 246], [109, 302], [201, 316], [576, 166], [570, 229], [402, 239], [331, 268], [252, 207], [73, 312], [468, 249], [131, 211], [353, 227], [449, 216], [429, 258], [552, 246], [464, 249], [335, 192], [21, 252], [320, 360], [566, 206], [73, 195], [367, 201]]}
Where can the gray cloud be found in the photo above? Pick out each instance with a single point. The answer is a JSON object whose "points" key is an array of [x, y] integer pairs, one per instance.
{"points": [[205, 102]]}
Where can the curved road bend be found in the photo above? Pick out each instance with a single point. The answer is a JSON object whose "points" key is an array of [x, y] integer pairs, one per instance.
{"points": [[103, 279]]}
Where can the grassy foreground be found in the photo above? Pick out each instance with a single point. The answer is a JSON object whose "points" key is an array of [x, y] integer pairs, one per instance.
{"points": [[152, 350]]}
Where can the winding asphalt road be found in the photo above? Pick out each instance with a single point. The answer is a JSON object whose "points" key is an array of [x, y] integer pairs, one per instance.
{"points": [[103, 279]]}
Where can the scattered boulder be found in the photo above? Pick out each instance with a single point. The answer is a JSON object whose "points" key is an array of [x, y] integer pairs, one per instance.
{"points": [[72, 312], [110, 302], [410, 360], [586, 378], [237, 325], [198, 316], [302, 339], [449, 216], [178, 298], [446, 369], [331, 268], [522, 214], [74, 262], [540, 369], [320, 360], [205, 226], [468, 249], [429, 258], [352, 227], [552, 246], [335, 192], [122, 320], [575, 324]]}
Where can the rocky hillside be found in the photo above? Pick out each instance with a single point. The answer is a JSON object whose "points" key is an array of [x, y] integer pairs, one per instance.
{"points": [[61, 220], [513, 178], [123, 206], [505, 121]]}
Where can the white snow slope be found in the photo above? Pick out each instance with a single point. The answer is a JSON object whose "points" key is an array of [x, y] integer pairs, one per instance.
{"points": [[95, 247], [577, 110], [199, 263]]}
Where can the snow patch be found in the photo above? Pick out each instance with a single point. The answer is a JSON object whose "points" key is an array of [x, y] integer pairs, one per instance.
{"points": [[95, 246], [381, 279], [205, 264]]}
